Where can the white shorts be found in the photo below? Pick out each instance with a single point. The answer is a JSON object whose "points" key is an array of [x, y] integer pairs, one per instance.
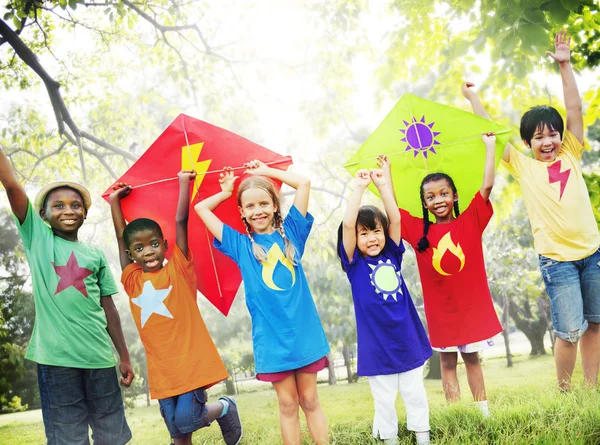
{"points": [[477, 346]]}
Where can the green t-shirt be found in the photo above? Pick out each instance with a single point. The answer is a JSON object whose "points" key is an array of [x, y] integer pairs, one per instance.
{"points": [[69, 278]]}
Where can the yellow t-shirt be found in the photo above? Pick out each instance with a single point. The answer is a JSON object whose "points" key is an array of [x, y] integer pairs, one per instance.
{"points": [[557, 201]]}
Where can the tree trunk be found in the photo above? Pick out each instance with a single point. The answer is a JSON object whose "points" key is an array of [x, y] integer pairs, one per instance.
{"points": [[230, 387], [435, 372], [331, 369], [505, 331], [544, 306], [347, 362], [533, 328], [147, 388]]}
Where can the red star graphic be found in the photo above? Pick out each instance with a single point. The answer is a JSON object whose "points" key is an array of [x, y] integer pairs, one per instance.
{"points": [[72, 275]]}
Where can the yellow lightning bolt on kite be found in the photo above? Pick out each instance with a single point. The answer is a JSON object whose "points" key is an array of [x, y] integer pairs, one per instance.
{"points": [[444, 245], [188, 154]]}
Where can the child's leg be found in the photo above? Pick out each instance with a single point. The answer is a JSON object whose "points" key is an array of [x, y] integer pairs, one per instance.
{"points": [[590, 353], [590, 341], [309, 401], [105, 407], [474, 375], [448, 361], [413, 393], [185, 440], [289, 422], [64, 409], [384, 389]]}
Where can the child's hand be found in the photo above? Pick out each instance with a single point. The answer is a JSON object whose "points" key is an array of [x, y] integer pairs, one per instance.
{"points": [[467, 92], [384, 164], [127, 374], [121, 190], [186, 175], [227, 180], [489, 139], [378, 177], [562, 47], [256, 167], [362, 178]]}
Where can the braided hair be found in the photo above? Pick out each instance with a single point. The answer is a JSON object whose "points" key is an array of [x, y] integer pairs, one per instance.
{"points": [[264, 183], [423, 243]]}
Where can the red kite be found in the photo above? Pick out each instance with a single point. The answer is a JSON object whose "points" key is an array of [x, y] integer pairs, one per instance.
{"points": [[189, 143]]}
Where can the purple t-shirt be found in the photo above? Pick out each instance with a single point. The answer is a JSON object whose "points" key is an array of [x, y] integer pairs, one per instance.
{"points": [[391, 337]]}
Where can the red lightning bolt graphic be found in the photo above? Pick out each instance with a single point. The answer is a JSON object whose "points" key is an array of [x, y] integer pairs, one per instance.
{"points": [[555, 175]]}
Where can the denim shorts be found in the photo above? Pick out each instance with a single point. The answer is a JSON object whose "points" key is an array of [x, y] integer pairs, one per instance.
{"points": [[185, 413], [574, 291], [73, 399]]}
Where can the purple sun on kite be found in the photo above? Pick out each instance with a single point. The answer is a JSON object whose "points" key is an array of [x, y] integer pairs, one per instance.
{"points": [[420, 137]]}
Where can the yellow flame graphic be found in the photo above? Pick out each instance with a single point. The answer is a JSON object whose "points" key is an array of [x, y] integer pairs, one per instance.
{"points": [[274, 256], [444, 245], [188, 155]]}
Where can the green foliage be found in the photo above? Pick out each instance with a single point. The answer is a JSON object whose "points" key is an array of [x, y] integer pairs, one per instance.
{"points": [[15, 406]]}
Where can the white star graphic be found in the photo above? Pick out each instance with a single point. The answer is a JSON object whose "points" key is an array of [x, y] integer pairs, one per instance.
{"points": [[151, 301]]}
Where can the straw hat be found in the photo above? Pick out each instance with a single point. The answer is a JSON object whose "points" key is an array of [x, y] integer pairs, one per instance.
{"points": [[85, 194]]}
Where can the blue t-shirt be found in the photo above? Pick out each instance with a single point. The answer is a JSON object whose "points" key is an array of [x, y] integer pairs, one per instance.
{"points": [[286, 330], [391, 337]]}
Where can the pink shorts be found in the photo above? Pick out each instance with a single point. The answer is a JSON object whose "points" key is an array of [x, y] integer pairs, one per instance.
{"points": [[317, 366]]}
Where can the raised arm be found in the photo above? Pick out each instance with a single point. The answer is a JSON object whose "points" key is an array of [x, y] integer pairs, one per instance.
{"points": [[361, 182], [14, 190], [183, 210], [205, 208], [385, 166], [121, 190], [489, 140], [294, 180], [562, 55], [389, 203], [479, 110]]}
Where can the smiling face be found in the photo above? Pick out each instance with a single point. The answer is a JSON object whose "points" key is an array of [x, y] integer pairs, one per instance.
{"points": [[439, 199], [545, 144], [64, 211], [370, 242], [147, 248], [258, 208]]}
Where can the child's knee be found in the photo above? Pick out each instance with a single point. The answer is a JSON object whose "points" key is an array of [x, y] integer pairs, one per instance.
{"points": [[309, 402], [288, 405]]}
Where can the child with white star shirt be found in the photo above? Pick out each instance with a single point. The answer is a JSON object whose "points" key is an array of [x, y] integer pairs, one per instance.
{"points": [[182, 359], [392, 343]]}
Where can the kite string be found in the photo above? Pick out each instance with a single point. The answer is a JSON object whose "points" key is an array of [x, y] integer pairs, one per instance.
{"points": [[286, 159], [438, 146]]}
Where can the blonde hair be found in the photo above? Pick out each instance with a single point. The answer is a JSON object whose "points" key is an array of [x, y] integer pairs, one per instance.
{"points": [[264, 183]]}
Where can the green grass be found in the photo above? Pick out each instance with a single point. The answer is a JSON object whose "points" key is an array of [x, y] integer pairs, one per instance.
{"points": [[525, 405]]}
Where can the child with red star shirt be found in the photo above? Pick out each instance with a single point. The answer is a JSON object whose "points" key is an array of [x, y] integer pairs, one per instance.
{"points": [[76, 318], [564, 229]]}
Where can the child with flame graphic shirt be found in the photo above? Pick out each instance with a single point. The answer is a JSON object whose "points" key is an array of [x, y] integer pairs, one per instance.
{"points": [[458, 305]]}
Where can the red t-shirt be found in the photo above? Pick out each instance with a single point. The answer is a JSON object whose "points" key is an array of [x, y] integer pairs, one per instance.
{"points": [[180, 353], [458, 304]]}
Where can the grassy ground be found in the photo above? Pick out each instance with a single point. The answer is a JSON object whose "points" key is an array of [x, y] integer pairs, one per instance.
{"points": [[526, 409]]}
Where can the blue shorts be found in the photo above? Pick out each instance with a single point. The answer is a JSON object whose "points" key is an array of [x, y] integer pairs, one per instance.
{"points": [[73, 399], [185, 413], [574, 291]]}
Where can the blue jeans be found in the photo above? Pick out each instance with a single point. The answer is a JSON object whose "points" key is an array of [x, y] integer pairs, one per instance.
{"points": [[185, 413], [74, 398], [574, 291]]}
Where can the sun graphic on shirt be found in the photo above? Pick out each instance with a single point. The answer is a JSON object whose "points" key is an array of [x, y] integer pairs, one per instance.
{"points": [[386, 279], [420, 137]]}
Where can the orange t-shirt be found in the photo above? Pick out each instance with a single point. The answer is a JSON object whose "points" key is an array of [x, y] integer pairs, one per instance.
{"points": [[180, 353]]}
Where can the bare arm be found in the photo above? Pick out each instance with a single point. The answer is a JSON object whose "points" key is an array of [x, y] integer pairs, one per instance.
{"points": [[206, 207], [14, 190], [183, 210], [386, 167], [361, 182], [113, 326], [294, 180], [489, 139], [480, 110], [121, 191], [389, 203], [562, 55]]}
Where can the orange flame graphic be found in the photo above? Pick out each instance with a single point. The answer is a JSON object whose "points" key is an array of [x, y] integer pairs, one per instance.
{"points": [[444, 245]]}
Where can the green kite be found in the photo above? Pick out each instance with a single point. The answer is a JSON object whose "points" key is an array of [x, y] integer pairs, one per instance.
{"points": [[421, 137]]}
